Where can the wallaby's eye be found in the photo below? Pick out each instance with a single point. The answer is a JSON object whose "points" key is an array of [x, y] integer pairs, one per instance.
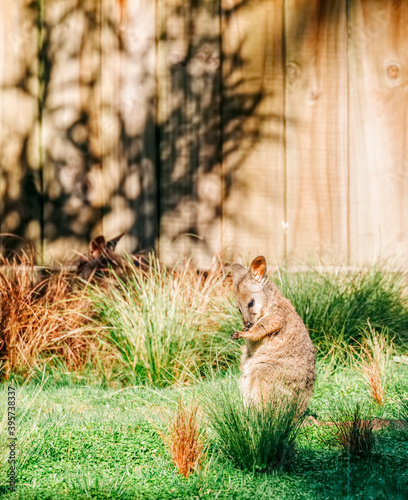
{"points": [[251, 303]]}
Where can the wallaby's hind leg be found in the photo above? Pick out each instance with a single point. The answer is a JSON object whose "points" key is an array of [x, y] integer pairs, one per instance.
{"points": [[255, 389]]}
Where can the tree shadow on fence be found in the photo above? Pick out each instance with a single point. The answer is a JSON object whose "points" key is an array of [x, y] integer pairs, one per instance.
{"points": [[131, 114], [127, 114]]}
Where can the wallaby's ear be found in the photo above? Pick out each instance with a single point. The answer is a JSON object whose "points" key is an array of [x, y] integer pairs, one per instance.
{"points": [[258, 268], [97, 245], [111, 244], [237, 272]]}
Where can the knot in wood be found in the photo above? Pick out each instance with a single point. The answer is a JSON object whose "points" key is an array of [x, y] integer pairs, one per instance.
{"points": [[393, 71], [292, 72]]}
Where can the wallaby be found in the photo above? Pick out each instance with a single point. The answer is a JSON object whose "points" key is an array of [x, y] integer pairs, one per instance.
{"points": [[279, 357], [100, 258]]}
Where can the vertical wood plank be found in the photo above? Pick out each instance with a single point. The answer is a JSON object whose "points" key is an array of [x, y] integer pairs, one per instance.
{"points": [[189, 125], [71, 123], [378, 62], [3, 33], [316, 129], [127, 184], [20, 175], [253, 133]]}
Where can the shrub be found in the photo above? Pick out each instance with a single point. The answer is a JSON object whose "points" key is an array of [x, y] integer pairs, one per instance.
{"points": [[255, 437]]}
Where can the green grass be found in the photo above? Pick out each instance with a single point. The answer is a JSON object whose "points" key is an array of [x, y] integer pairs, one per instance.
{"points": [[166, 327], [401, 412], [403, 408], [90, 442], [163, 327], [255, 437], [79, 438], [352, 429], [336, 306]]}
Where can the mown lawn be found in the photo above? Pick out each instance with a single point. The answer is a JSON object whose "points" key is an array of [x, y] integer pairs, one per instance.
{"points": [[82, 442]]}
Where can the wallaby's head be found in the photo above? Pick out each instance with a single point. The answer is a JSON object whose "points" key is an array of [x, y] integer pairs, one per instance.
{"points": [[101, 256], [100, 247], [250, 288]]}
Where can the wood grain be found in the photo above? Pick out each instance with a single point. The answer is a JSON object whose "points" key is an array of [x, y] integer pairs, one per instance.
{"points": [[253, 141], [20, 171], [189, 125], [378, 62], [127, 185], [316, 129], [71, 123], [233, 127]]}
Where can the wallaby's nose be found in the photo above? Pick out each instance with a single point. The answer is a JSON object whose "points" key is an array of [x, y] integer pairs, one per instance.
{"points": [[247, 327]]}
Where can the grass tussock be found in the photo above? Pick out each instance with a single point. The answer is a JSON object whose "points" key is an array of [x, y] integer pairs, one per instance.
{"points": [[40, 322], [186, 439], [352, 431], [336, 306], [255, 437], [163, 325], [372, 360], [156, 325], [402, 411]]}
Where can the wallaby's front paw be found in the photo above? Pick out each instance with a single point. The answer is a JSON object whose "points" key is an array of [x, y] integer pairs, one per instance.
{"points": [[236, 335]]}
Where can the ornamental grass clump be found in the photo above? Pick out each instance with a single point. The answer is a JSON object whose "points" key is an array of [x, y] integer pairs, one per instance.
{"points": [[402, 412], [162, 324], [41, 321], [352, 430], [335, 306], [185, 439], [256, 437], [372, 359]]}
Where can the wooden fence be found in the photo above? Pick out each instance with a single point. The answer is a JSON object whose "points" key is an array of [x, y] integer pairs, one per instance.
{"points": [[206, 126]]}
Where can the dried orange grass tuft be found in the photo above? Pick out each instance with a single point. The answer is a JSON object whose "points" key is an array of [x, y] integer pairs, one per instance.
{"points": [[371, 360], [185, 439], [42, 319]]}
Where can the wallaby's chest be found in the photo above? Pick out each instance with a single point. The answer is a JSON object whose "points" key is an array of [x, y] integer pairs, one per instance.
{"points": [[253, 349]]}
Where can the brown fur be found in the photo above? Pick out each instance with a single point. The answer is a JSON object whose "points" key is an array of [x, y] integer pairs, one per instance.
{"points": [[279, 356], [101, 257]]}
